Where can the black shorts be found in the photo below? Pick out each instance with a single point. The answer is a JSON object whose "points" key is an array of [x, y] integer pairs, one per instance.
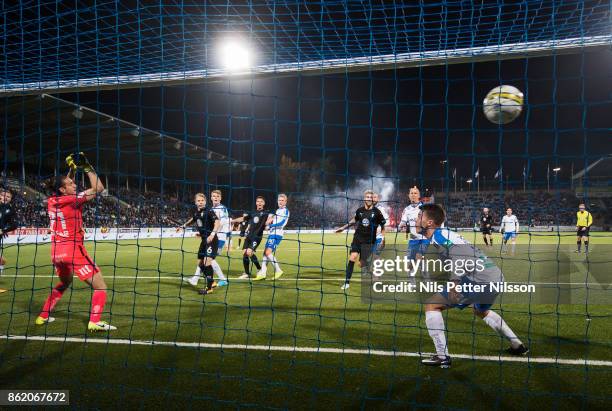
{"points": [[208, 250], [252, 243], [583, 231], [485, 230], [364, 247], [242, 232]]}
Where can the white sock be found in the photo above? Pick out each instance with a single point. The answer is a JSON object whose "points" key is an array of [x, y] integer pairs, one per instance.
{"points": [[495, 321], [275, 263], [198, 273], [264, 264], [435, 326], [1, 269], [217, 270]]}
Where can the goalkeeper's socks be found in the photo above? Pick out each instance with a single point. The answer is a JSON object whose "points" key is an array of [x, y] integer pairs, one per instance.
{"points": [[256, 262], [495, 321], [52, 300], [98, 300], [217, 270], [1, 269], [247, 265], [208, 273], [349, 271], [435, 327]]}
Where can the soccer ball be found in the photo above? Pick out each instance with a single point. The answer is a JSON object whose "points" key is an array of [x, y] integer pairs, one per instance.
{"points": [[503, 104]]}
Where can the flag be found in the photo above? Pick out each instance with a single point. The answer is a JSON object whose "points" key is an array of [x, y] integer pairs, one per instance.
{"points": [[524, 171], [498, 173], [477, 173], [455, 173]]}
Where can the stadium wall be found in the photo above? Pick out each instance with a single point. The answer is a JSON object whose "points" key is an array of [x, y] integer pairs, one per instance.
{"points": [[41, 235]]}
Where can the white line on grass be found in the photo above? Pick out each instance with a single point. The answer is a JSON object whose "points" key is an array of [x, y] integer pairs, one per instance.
{"points": [[243, 281], [320, 350]]}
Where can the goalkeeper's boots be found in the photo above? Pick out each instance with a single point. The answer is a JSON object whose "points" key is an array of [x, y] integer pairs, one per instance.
{"points": [[520, 350], [100, 326], [42, 320], [437, 361]]}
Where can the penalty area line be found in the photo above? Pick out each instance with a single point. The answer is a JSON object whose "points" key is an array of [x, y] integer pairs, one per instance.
{"points": [[296, 349]]}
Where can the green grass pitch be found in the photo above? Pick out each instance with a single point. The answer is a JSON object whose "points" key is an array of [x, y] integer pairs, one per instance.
{"points": [[282, 323]]}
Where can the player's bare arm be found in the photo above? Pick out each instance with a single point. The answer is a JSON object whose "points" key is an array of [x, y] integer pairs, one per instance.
{"points": [[345, 226], [214, 232], [187, 223]]}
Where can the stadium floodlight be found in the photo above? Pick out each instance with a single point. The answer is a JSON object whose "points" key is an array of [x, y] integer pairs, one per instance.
{"points": [[469, 181], [235, 56], [77, 113], [557, 169]]}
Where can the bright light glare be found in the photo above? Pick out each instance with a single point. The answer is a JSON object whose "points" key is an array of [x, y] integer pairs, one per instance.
{"points": [[235, 56]]}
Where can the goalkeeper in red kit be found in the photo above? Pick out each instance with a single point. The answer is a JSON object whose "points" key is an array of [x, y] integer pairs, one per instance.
{"points": [[68, 254]]}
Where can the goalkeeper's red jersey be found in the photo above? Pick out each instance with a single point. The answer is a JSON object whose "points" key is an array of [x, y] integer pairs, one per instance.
{"points": [[66, 215]]}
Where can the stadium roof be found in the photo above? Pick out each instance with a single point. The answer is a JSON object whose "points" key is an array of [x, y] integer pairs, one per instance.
{"points": [[602, 168], [44, 129]]}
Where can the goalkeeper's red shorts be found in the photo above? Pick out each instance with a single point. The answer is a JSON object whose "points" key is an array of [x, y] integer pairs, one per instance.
{"points": [[73, 259]]}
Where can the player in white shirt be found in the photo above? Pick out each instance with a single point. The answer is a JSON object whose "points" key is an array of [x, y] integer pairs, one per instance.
{"points": [[276, 230], [451, 246], [222, 214], [380, 237], [509, 228], [416, 241]]}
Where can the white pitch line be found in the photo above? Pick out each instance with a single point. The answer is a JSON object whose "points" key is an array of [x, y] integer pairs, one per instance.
{"points": [[318, 350]]}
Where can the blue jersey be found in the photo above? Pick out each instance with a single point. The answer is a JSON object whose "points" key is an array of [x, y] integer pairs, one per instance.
{"points": [[281, 217]]}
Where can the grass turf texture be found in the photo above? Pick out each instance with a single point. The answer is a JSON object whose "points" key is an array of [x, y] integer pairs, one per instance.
{"points": [[148, 302]]}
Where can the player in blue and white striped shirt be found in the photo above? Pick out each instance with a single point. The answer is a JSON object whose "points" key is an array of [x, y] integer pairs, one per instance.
{"points": [[275, 235]]}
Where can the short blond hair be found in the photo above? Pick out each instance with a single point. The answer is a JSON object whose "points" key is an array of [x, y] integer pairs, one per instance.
{"points": [[283, 195], [216, 192], [199, 195], [365, 193]]}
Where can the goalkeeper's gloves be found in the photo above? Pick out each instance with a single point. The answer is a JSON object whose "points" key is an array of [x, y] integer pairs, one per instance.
{"points": [[84, 163], [72, 165]]}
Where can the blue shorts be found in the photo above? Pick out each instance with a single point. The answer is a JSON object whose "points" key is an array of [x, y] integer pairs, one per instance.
{"points": [[273, 242], [378, 247], [509, 235], [417, 247], [221, 245], [481, 301]]}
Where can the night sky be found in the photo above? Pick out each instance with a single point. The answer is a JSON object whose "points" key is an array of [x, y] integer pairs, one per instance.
{"points": [[394, 123]]}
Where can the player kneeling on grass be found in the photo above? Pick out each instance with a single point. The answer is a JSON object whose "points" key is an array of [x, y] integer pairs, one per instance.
{"points": [[68, 254], [258, 220], [8, 223], [276, 228], [208, 225], [451, 246], [367, 219]]}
